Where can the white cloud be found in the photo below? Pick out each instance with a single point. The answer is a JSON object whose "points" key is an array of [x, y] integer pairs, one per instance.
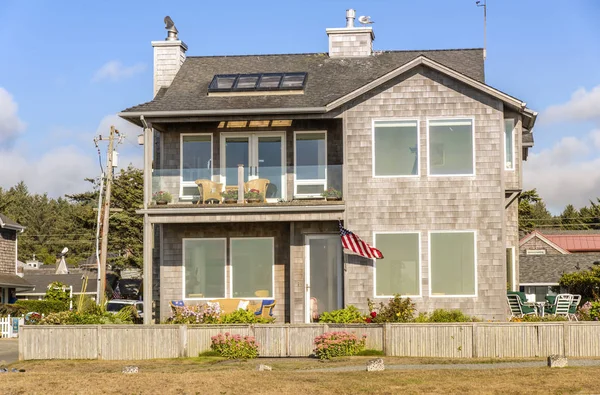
{"points": [[63, 167], [583, 106], [116, 71], [566, 173], [10, 123]]}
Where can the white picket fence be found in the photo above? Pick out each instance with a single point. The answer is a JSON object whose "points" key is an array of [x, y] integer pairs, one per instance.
{"points": [[6, 326]]}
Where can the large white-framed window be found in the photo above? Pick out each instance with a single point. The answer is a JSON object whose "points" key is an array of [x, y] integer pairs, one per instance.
{"points": [[511, 274], [395, 148], [310, 163], [252, 261], [509, 144], [195, 162], [204, 266], [451, 147], [453, 263], [399, 272]]}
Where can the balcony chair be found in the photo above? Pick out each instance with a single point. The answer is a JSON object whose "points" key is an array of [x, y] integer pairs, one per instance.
{"points": [[260, 184], [561, 306], [209, 190], [517, 308]]}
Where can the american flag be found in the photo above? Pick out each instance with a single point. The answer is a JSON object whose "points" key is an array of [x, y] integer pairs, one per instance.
{"points": [[352, 242], [117, 292]]}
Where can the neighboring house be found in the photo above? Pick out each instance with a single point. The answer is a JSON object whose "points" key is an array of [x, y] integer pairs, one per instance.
{"points": [[427, 157], [41, 278], [10, 282], [546, 255]]}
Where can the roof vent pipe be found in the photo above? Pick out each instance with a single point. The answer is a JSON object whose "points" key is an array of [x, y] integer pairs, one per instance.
{"points": [[350, 15]]}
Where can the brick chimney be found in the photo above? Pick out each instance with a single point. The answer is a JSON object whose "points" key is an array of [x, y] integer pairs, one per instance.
{"points": [[169, 55], [350, 41]]}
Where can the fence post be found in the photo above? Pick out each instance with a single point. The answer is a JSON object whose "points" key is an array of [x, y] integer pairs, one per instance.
{"points": [[99, 340], [183, 343], [474, 350], [386, 342], [566, 339]]}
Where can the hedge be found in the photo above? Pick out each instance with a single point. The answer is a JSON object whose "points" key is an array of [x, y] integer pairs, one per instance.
{"points": [[43, 306]]}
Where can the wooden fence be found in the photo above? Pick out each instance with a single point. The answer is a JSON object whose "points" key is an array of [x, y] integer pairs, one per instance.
{"points": [[453, 340]]}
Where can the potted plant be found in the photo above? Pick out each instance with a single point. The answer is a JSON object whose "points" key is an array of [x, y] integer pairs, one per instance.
{"points": [[332, 194], [162, 197], [230, 196], [253, 196]]}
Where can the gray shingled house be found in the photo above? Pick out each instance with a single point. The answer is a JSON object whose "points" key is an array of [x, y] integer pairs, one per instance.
{"points": [[10, 282], [427, 159]]}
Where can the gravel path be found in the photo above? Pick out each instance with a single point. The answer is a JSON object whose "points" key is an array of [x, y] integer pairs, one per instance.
{"points": [[462, 366]]}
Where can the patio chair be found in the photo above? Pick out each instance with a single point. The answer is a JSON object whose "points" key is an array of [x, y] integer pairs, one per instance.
{"points": [[561, 306], [517, 309], [260, 184], [266, 308], [573, 307], [209, 191]]}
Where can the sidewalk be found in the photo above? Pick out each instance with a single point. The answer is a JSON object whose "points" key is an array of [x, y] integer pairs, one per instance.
{"points": [[9, 351]]}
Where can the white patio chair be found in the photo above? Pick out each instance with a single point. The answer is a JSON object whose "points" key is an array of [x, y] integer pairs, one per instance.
{"points": [[573, 307]]}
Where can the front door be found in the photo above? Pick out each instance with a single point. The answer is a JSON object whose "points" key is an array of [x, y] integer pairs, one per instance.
{"points": [[263, 156], [323, 271]]}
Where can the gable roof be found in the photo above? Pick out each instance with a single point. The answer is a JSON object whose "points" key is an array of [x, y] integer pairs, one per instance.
{"points": [[543, 238], [576, 243], [40, 281], [329, 79], [7, 223], [547, 269]]}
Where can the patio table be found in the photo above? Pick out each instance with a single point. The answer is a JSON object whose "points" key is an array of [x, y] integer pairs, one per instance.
{"points": [[539, 306]]}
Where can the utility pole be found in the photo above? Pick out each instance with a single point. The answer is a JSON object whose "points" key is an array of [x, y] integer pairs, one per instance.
{"points": [[106, 214]]}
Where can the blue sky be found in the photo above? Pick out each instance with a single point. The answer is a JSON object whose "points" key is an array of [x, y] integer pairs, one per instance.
{"points": [[68, 67]]}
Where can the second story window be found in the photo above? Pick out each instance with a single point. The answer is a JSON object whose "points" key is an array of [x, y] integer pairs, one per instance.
{"points": [[451, 147], [395, 148], [310, 152], [196, 161], [509, 144]]}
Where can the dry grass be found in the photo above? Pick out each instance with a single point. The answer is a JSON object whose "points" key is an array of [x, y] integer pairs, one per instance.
{"points": [[214, 376]]}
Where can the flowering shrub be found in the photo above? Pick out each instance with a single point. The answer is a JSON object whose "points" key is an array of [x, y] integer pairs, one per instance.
{"points": [[162, 196], [397, 310], [342, 316], [253, 194], [536, 318], [589, 311], [197, 314], [230, 194], [234, 346], [338, 344]]}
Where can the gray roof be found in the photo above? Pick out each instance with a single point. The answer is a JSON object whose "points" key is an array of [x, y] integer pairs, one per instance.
{"points": [[328, 78], [8, 223], [41, 280], [548, 268], [14, 281]]}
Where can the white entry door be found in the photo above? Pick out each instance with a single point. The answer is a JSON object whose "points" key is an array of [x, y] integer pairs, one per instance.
{"points": [[263, 156], [323, 275]]}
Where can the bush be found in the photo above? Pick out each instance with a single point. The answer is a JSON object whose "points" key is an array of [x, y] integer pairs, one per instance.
{"points": [[196, 314], [338, 344], [443, 315], [397, 310], [11, 309], [87, 318], [43, 306], [349, 315], [589, 311], [243, 317], [370, 353], [234, 346], [57, 291], [535, 318]]}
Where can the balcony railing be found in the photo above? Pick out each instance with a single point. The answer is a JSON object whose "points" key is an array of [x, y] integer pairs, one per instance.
{"points": [[294, 183]]}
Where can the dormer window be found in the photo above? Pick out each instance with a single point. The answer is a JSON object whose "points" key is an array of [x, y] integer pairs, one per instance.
{"points": [[276, 83]]}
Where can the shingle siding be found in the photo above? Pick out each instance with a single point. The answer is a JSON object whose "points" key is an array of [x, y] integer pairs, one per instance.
{"points": [[427, 203], [8, 251]]}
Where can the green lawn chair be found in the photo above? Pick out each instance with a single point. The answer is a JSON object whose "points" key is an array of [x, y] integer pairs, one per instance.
{"points": [[517, 309], [573, 308], [561, 306]]}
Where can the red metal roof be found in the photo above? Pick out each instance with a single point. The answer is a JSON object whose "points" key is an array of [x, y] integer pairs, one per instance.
{"points": [[576, 243]]}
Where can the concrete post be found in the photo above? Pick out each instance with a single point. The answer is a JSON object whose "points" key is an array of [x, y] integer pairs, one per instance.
{"points": [[240, 184]]}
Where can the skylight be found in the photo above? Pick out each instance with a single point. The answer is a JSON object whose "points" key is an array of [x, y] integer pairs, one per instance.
{"points": [[257, 82]]}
